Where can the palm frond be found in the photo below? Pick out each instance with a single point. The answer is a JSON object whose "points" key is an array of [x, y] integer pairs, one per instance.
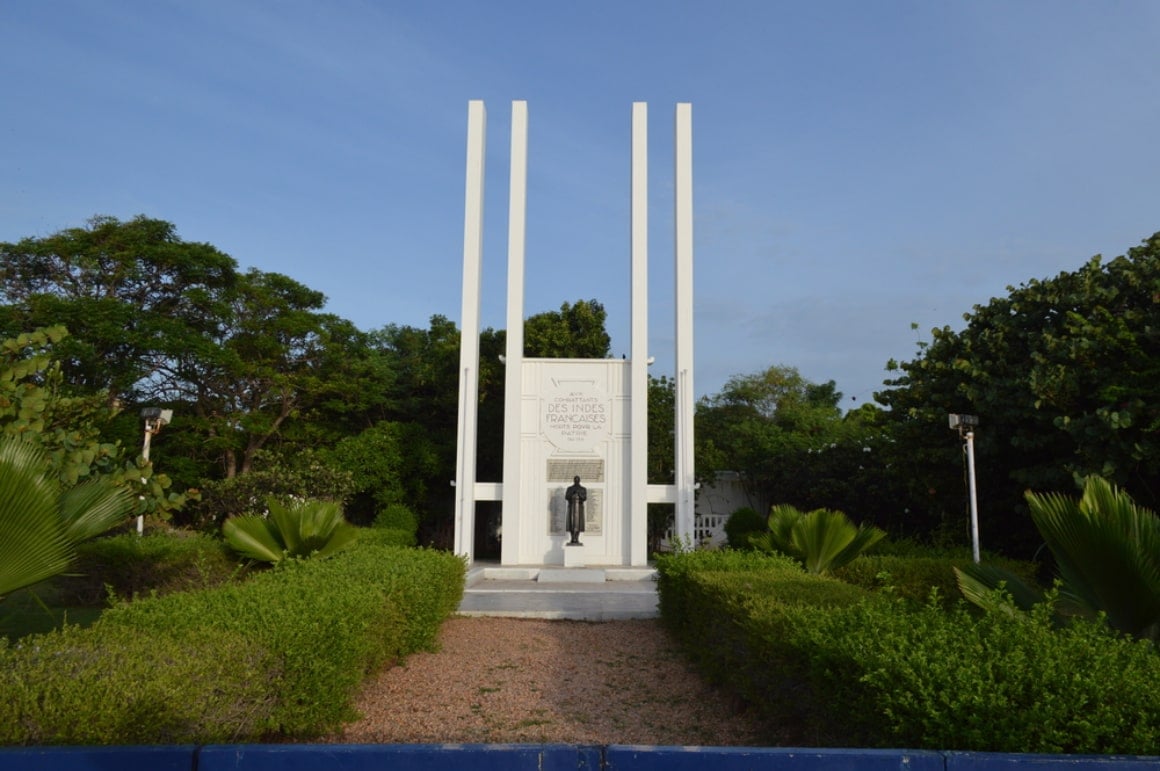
{"points": [[303, 529], [821, 536], [980, 584], [253, 537], [33, 546], [822, 540], [93, 508], [285, 526], [1108, 552], [340, 538]]}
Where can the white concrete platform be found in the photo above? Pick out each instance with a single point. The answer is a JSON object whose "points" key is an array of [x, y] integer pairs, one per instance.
{"points": [[552, 592], [571, 576]]}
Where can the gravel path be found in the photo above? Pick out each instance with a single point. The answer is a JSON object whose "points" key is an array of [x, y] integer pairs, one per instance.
{"points": [[502, 680]]}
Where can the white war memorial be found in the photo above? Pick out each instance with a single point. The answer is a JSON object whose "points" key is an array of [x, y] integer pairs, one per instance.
{"points": [[574, 418]]}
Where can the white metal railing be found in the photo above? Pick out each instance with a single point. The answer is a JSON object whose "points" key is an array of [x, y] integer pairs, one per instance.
{"points": [[708, 530]]}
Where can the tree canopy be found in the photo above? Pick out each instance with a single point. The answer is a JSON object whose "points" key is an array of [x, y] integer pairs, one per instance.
{"points": [[576, 331], [1064, 374]]}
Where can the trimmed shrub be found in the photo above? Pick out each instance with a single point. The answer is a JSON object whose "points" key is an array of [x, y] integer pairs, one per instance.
{"points": [[674, 572], [741, 524], [825, 663], [132, 565], [938, 679], [114, 685], [730, 612], [396, 516], [311, 629], [330, 622], [386, 537], [915, 577]]}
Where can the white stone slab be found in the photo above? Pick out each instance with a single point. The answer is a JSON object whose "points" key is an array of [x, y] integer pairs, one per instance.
{"points": [[510, 573], [571, 575], [630, 574]]}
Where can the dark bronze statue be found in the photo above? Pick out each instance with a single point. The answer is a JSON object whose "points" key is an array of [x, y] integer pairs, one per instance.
{"points": [[575, 495]]}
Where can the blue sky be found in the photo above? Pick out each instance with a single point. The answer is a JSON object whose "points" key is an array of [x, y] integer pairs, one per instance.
{"points": [[858, 166]]}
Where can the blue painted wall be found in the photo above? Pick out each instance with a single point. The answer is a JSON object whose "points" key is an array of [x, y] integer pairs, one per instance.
{"points": [[518, 757]]}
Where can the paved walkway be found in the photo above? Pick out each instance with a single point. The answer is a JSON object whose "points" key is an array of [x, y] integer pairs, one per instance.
{"points": [[586, 594]]}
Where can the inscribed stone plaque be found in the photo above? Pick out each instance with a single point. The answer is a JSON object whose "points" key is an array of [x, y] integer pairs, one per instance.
{"points": [[575, 415], [564, 469]]}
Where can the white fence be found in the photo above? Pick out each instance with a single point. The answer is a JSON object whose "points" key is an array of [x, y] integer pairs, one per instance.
{"points": [[715, 503]]}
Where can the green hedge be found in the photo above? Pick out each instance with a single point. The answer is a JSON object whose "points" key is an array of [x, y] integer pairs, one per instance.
{"points": [[308, 633], [674, 571], [387, 536], [731, 613], [950, 679], [843, 667], [113, 685], [913, 577], [132, 565]]}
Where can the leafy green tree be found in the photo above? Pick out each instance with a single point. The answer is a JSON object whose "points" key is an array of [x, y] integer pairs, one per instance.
{"points": [[424, 400], [244, 382], [1064, 375], [390, 464], [41, 522], [159, 321], [576, 331], [69, 429], [662, 396], [130, 293], [768, 427]]}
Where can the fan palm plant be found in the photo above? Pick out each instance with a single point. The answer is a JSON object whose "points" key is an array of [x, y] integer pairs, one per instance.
{"points": [[304, 529], [40, 524], [821, 540], [1107, 550]]}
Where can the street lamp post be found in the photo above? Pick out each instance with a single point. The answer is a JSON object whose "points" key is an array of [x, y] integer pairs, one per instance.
{"points": [[966, 425], [154, 418]]}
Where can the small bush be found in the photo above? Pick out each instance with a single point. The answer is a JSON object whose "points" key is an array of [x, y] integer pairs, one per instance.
{"points": [[330, 622], [741, 524], [937, 679], [132, 565], [826, 663], [914, 577], [306, 529], [674, 572], [396, 516], [285, 481], [114, 685], [822, 540], [285, 652], [386, 536]]}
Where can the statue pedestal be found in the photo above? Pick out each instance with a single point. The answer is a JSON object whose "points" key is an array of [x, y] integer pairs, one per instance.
{"points": [[574, 555]]}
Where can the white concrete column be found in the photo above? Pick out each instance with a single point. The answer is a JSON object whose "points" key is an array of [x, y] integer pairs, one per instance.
{"points": [[637, 513], [683, 189], [469, 333], [514, 352]]}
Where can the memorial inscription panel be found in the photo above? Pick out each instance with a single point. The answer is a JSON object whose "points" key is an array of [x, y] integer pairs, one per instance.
{"points": [[575, 416]]}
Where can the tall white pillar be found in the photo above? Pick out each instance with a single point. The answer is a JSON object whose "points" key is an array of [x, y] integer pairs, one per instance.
{"points": [[638, 399], [683, 189], [469, 333], [514, 352]]}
